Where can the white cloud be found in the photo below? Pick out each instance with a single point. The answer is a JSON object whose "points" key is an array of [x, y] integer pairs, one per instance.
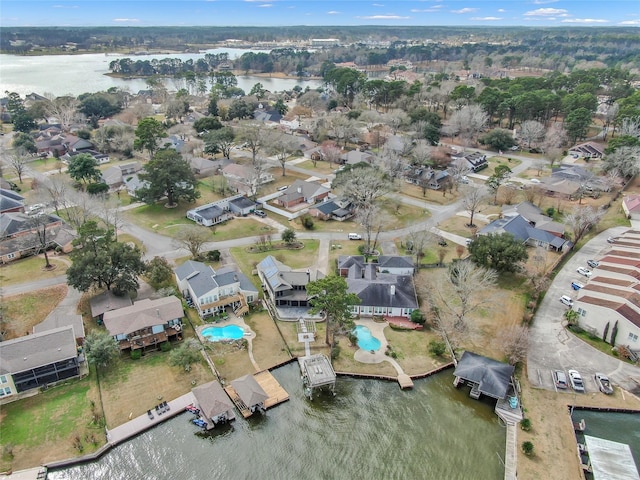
{"points": [[630, 22], [542, 2], [65, 6], [465, 10], [333, 12], [501, 10], [547, 12], [435, 8], [378, 5], [265, 5], [384, 17], [584, 20], [486, 19], [126, 20]]}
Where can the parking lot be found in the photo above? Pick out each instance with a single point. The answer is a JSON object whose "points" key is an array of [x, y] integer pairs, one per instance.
{"points": [[552, 348]]}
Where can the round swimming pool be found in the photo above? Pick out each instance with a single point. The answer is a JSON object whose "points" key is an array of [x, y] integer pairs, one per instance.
{"points": [[366, 341], [230, 332]]}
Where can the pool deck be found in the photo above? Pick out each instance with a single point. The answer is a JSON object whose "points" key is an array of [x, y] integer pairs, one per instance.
{"points": [[139, 424]]}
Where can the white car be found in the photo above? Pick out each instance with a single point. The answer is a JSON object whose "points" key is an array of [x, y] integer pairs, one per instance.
{"points": [[584, 271], [535, 180], [567, 300], [576, 380]]}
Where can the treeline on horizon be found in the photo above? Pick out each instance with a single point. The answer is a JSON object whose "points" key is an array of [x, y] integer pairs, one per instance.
{"points": [[611, 45]]}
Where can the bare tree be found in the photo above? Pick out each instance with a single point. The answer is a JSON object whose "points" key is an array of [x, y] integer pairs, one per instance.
{"points": [[625, 160], [421, 153], [331, 152], [532, 131], [63, 109], [554, 141], [18, 160], [80, 207], [582, 219], [57, 189], [468, 122], [193, 239], [255, 177], [471, 201], [416, 242], [514, 343], [458, 170], [343, 129], [509, 194], [109, 212], [373, 222], [363, 185], [391, 162], [282, 146], [396, 119], [466, 288], [253, 136], [39, 224], [630, 126]]}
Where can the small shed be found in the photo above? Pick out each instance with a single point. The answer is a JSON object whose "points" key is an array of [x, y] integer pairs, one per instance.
{"points": [[250, 392], [485, 375], [214, 404]]}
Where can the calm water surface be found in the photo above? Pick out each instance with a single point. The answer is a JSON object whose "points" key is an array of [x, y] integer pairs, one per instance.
{"points": [[369, 430], [77, 74]]}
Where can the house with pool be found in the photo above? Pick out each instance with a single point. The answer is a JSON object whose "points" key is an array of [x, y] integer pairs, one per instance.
{"points": [[212, 291], [385, 287], [145, 324]]}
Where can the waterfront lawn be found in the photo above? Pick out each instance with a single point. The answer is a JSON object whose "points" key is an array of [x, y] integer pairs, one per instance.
{"points": [[131, 387], [412, 349], [269, 348], [44, 427], [31, 268], [23, 311]]}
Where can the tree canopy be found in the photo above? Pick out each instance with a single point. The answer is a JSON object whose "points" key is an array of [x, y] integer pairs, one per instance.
{"points": [[168, 175], [148, 135], [84, 168], [502, 252], [100, 348], [329, 296], [99, 261]]}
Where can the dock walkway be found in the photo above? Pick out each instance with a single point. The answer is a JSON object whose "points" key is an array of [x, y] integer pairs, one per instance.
{"points": [[143, 422], [271, 387], [237, 401]]}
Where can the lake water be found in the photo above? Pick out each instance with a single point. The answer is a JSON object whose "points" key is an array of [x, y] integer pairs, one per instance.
{"points": [[369, 430], [77, 74]]}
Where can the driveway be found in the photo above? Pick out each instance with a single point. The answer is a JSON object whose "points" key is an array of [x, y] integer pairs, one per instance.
{"points": [[551, 347]]}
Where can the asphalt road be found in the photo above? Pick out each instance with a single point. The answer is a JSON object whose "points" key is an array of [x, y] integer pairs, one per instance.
{"points": [[552, 348]]}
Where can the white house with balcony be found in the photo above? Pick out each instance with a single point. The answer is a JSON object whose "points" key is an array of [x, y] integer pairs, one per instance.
{"points": [[212, 291]]}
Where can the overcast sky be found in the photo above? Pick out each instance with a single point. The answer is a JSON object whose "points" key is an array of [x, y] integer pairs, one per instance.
{"points": [[318, 12]]}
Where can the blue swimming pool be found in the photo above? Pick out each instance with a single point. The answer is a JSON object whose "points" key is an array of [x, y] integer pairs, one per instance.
{"points": [[366, 341], [230, 332]]}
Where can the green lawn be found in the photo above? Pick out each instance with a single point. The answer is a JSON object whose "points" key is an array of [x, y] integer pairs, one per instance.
{"points": [[30, 268], [45, 426], [499, 160]]}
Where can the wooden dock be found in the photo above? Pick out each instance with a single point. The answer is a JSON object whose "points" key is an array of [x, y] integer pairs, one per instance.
{"points": [[235, 398], [143, 422], [271, 387]]}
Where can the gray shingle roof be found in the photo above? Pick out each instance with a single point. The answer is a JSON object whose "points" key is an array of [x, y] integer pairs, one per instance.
{"points": [[36, 350], [143, 314], [107, 301], [492, 377], [213, 400], [249, 390], [385, 289], [394, 261]]}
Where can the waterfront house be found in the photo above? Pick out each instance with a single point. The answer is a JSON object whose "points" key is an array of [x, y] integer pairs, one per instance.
{"points": [[283, 286], [381, 292], [214, 403], [212, 291], [38, 360], [146, 323]]}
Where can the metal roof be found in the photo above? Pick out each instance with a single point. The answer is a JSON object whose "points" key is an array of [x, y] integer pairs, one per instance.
{"points": [[610, 460]]}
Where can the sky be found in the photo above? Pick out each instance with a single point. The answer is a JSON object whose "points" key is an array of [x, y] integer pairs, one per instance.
{"points": [[318, 12]]}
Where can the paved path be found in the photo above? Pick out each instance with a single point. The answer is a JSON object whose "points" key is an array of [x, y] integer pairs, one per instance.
{"points": [[551, 347]]}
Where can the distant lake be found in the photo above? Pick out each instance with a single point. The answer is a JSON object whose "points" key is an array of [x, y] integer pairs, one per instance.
{"points": [[77, 74]]}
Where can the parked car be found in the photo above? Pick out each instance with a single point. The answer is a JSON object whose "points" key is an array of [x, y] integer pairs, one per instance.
{"points": [[515, 148], [611, 240], [464, 179], [355, 236], [576, 285], [593, 263], [260, 213], [584, 271], [567, 300], [603, 383], [576, 381], [535, 180], [36, 208], [560, 379], [283, 188]]}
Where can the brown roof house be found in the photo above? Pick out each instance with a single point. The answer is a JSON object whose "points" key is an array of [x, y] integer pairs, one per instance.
{"points": [[107, 301], [146, 324], [303, 192], [38, 360], [609, 304], [214, 404]]}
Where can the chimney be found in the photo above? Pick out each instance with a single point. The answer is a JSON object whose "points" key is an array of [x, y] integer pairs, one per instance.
{"points": [[299, 189], [393, 289], [158, 312]]}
